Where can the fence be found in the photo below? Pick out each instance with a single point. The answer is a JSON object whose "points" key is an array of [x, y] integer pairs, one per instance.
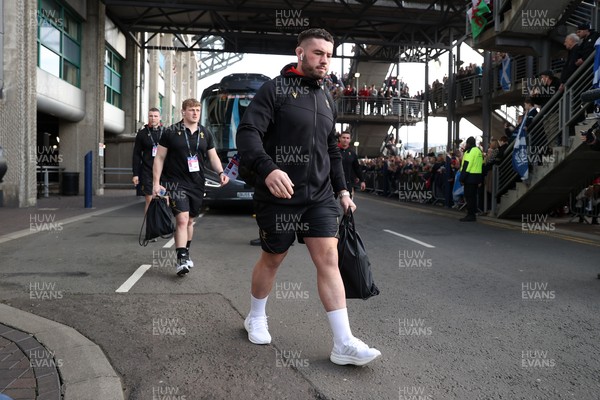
{"points": [[401, 107]]}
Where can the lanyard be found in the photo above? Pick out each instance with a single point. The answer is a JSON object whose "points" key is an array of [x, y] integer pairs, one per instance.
{"points": [[188, 142], [154, 143]]}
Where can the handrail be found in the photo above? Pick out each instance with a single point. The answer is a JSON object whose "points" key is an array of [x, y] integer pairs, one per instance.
{"points": [[46, 170], [408, 109]]}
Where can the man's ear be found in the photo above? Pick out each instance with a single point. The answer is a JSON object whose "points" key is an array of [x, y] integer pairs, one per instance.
{"points": [[300, 53]]}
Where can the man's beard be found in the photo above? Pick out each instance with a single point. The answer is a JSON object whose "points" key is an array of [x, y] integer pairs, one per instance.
{"points": [[314, 73]]}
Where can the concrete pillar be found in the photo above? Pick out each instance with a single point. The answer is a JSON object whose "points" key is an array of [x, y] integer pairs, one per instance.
{"points": [[168, 101], [486, 98], [78, 138], [451, 97], [130, 93], [18, 119], [178, 77], [153, 75], [426, 105]]}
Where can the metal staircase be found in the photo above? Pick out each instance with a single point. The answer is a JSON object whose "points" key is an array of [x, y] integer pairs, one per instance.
{"points": [[561, 171]]}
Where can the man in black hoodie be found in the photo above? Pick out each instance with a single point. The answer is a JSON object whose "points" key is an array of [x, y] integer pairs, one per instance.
{"points": [[287, 137]]}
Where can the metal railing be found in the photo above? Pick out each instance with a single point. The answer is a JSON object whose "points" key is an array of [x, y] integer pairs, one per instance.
{"points": [[109, 172], [407, 109], [45, 171]]}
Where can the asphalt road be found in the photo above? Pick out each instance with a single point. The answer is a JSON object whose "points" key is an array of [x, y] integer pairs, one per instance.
{"points": [[466, 311]]}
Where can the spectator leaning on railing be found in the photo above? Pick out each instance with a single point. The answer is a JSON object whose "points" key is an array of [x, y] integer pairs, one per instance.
{"points": [[572, 45], [588, 39]]}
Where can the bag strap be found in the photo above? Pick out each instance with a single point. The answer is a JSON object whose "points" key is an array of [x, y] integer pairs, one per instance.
{"points": [[142, 236]]}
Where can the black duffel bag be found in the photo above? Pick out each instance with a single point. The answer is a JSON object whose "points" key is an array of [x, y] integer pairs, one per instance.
{"points": [[158, 221], [353, 262]]}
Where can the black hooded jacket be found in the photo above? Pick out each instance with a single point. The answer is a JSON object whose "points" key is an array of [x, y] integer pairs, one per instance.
{"points": [[290, 125]]}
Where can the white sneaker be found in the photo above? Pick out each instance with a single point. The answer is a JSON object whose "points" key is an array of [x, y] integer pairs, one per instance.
{"points": [[182, 268], [190, 263], [258, 329], [354, 352]]}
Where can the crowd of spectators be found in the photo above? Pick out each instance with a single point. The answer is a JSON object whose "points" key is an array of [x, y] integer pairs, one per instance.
{"points": [[372, 99], [432, 176]]}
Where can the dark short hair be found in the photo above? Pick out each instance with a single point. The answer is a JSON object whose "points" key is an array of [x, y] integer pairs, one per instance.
{"points": [[154, 109], [503, 138], [346, 133], [584, 27], [528, 100], [317, 33]]}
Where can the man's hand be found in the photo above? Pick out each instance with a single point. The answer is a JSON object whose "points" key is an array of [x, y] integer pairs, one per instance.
{"points": [[279, 184], [136, 180], [158, 190], [347, 204], [224, 179], [363, 186]]}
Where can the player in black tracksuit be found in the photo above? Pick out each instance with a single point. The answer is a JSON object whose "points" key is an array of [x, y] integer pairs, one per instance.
{"points": [[287, 137], [144, 150], [350, 164]]}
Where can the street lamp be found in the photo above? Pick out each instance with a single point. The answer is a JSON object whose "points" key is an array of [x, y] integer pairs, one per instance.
{"points": [[357, 75], [356, 145]]}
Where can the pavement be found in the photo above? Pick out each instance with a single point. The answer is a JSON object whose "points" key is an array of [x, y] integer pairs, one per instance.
{"points": [[42, 359]]}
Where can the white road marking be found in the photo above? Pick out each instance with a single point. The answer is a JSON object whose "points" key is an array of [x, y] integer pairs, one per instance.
{"points": [[124, 288], [411, 239]]}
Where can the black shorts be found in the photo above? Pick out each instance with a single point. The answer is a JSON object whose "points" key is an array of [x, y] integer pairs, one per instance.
{"points": [[146, 184], [184, 198], [279, 225]]}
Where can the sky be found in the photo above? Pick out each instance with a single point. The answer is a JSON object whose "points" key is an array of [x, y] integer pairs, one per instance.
{"points": [[413, 73]]}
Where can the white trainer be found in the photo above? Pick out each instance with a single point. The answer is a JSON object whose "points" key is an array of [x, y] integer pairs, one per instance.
{"points": [[258, 329], [354, 352], [182, 267], [190, 263]]}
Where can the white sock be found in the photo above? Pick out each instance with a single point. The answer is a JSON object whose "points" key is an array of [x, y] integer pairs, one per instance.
{"points": [[258, 306], [340, 326]]}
